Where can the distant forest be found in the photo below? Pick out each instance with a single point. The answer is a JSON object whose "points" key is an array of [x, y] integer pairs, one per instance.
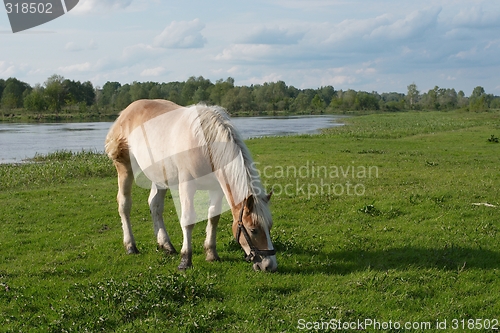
{"points": [[60, 95]]}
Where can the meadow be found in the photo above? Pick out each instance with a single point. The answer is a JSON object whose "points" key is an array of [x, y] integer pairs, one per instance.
{"points": [[389, 223]]}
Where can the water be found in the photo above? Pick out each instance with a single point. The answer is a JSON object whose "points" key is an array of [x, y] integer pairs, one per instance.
{"points": [[21, 141]]}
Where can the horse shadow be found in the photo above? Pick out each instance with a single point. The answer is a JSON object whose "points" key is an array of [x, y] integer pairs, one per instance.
{"points": [[343, 262]]}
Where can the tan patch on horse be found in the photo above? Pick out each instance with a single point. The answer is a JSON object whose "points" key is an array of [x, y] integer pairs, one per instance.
{"points": [[135, 115]]}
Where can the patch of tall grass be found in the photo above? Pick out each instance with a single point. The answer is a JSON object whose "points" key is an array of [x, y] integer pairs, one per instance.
{"points": [[398, 125], [55, 168]]}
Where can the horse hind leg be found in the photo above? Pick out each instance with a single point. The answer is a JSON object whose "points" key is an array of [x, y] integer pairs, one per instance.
{"points": [[188, 219], [124, 198], [156, 204], [214, 212]]}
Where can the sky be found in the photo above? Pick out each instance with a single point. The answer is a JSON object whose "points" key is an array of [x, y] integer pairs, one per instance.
{"points": [[364, 45]]}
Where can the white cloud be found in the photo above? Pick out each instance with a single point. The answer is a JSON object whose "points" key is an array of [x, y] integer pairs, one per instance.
{"points": [[413, 25], [83, 67], [248, 52], [372, 33], [157, 71], [233, 70], [307, 5], [466, 54], [139, 52], [7, 69], [181, 35], [76, 47], [100, 6], [93, 45], [349, 42], [73, 47], [476, 17], [274, 35], [339, 80], [366, 71], [272, 77]]}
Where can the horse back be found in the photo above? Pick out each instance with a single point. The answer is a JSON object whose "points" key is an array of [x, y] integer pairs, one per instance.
{"points": [[133, 116]]}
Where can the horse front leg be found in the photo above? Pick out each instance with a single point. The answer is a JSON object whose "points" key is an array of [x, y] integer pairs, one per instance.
{"points": [[156, 202], [124, 198], [188, 219], [214, 212]]}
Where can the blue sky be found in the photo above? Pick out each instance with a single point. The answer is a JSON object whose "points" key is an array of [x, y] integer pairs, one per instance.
{"points": [[362, 45]]}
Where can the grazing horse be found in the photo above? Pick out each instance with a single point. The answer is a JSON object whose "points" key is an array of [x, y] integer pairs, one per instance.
{"points": [[187, 149]]}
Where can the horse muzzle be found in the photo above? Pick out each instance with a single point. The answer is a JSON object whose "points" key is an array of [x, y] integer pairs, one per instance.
{"points": [[265, 264]]}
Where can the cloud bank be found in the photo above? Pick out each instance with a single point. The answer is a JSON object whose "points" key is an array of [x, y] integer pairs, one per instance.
{"points": [[181, 35], [361, 45]]}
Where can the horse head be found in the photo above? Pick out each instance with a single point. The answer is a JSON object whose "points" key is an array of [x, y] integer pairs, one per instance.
{"points": [[252, 232]]}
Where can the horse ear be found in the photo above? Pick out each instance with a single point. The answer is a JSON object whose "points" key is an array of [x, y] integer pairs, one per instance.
{"points": [[268, 197], [250, 203]]}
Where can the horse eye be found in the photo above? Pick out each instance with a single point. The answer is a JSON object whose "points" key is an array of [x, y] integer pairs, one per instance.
{"points": [[254, 231]]}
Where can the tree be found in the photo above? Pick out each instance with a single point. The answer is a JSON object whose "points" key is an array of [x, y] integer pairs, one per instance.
{"points": [[87, 93], [190, 88], [462, 101], [412, 95], [172, 91], [2, 87], [155, 92], [366, 101], [431, 99], [349, 99], [200, 95], [336, 102], [36, 100], [54, 90], [230, 100], [317, 104], [123, 98], [301, 103], [13, 93], [220, 89], [495, 103], [138, 91], [478, 101], [108, 94], [326, 94], [76, 92], [447, 99], [245, 99]]}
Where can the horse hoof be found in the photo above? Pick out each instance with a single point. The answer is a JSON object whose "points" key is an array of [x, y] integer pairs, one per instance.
{"points": [[132, 250], [183, 267], [211, 254], [185, 264], [212, 258], [167, 248]]}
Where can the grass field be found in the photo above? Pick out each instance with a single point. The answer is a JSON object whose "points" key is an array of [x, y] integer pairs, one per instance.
{"points": [[391, 220]]}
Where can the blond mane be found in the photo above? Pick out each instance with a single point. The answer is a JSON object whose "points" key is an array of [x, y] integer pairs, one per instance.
{"points": [[227, 150]]}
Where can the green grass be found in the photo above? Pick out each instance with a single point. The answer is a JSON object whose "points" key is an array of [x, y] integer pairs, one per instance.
{"points": [[411, 248]]}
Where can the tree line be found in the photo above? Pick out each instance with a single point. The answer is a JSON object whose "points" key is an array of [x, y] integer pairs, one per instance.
{"points": [[58, 94]]}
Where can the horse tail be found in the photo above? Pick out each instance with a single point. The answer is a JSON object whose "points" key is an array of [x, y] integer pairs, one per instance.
{"points": [[117, 148]]}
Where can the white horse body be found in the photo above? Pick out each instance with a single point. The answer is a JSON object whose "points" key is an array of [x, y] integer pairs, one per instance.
{"points": [[163, 145]]}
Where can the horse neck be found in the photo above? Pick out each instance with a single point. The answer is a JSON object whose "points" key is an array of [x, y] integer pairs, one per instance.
{"points": [[234, 194]]}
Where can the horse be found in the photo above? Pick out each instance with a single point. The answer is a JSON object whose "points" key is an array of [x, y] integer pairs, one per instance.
{"points": [[187, 150]]}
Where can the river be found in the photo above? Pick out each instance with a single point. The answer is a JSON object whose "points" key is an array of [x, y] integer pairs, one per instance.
{"points": [[20, 141]]}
